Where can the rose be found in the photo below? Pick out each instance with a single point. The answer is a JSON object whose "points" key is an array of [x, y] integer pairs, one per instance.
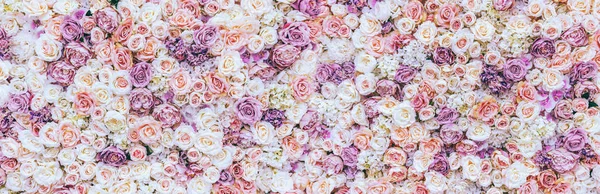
{"points": [[563, 110], [19, 102], [447, 115], [405, 74], [309, 7], [112, 156], [574, 140], [148, 129], [576, 36], [515, 69], [124, 31], [167, 114], [62, 72], [563, 187], [350, 156], [70, 29], [295, 34], [547, 179], [248, 110], [141, 100], [47, 48], [394, 156], [414, 10], [404, 114], [333, 164], [302, 88], [284, 56], [486, 109], [562, 160], [583, 71], [206, 36], [141, 74], [387, 87], [107, 19], [450, 134], [503, 5], [324, 72], [542, 47], [76, 54], [84, 103]]}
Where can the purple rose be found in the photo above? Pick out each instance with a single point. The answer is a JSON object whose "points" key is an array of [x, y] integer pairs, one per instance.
{"points": [[405, 74], [226, 177], [503, 5], [167, 114], [284, 56], [107, 19], [309, 7], [206, 36], [112, 156], [141, 100], [440, 164], [70, 29], [443, 56], [583, 71], [274, 116], [295, 33], [248, 110], [333, 164], [575, 36], [324, 73], [563, 110], [574, 140], [62, 72], [515, 69], [387, 87], [141, 74], [562, 160], [76, 54], [345, 71], [350, 156], [309, 120], [447, 115], [19, 102], [542, 47], [450, 134]]}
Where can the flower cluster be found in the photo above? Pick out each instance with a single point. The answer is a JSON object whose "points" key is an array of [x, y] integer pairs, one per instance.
{"points": [[299, 96]]}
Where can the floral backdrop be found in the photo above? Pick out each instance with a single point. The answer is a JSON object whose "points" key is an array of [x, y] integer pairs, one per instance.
{"points": [[299, 96]]}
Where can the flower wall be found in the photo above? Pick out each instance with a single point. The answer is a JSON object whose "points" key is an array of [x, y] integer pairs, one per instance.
{"points": [[299, 96]]}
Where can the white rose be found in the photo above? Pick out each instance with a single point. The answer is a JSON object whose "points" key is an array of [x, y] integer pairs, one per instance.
{"points": [[478, 132], [224, 158], [528, 111], [347, 92], [209, 142], [358, 115], [149, 13], [471, 167], [405, 25], [24, 46], [404, 114], [552, 80], [257, 7], [422, 161], [9, 147], [366, 83], [269, 35], [198, 186], [369, 25], [66, 156], [184, 137], [296, 112], [86, 153], [515, 175], [34, 8], [211, 174], [339, 10], [47, 173], [529, 147], [426, 32], [47, 48], [264, 132], [27, 168], [364, 62], [282, 182], [255, 44], [435, 182], [483, 30], [65, 7], [351, 20], [229, 62]]}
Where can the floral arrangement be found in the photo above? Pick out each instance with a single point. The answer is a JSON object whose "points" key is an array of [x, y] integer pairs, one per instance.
{"points": [[299, 96]]}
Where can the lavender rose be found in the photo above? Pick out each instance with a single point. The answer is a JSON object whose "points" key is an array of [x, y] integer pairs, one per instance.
{"points": [[324, 73], [167, 114], [70, 29], [333, 164], [206, 36], [515, 69], [107, 19], [562, 160], [62, 72], [350, 156], [309, 7], [19, 102], [447, 115], [141, 100], [405, 74], [248, 110], [284, 56], [563, 110], [112, 156], [76, 54], [141, 74], [503, 5], [542, 47], [574, 140], [575, 36], [583, 71], [443, 55], [295, 34], [345, 71], [440, 164], [274, 116], [450, 134]]}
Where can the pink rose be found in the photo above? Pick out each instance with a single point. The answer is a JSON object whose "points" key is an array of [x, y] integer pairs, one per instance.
{"points": [[284, 56], [503, 5], [107, 19], [574, 140], [141, 100], [302, 88], [248, 110], [167, 114], [62, 72], [575, 36], [76, 54], [295, 34]]}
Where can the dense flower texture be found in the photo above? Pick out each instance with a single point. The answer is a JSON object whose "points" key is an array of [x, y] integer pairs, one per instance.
{"points": [[299, 96]]}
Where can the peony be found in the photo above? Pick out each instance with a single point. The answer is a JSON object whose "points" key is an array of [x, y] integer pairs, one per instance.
{"points": [[583, 71], [405, 74], [284, 56], [76, 54], [562, 160], [576, 36], [443, 56]]}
